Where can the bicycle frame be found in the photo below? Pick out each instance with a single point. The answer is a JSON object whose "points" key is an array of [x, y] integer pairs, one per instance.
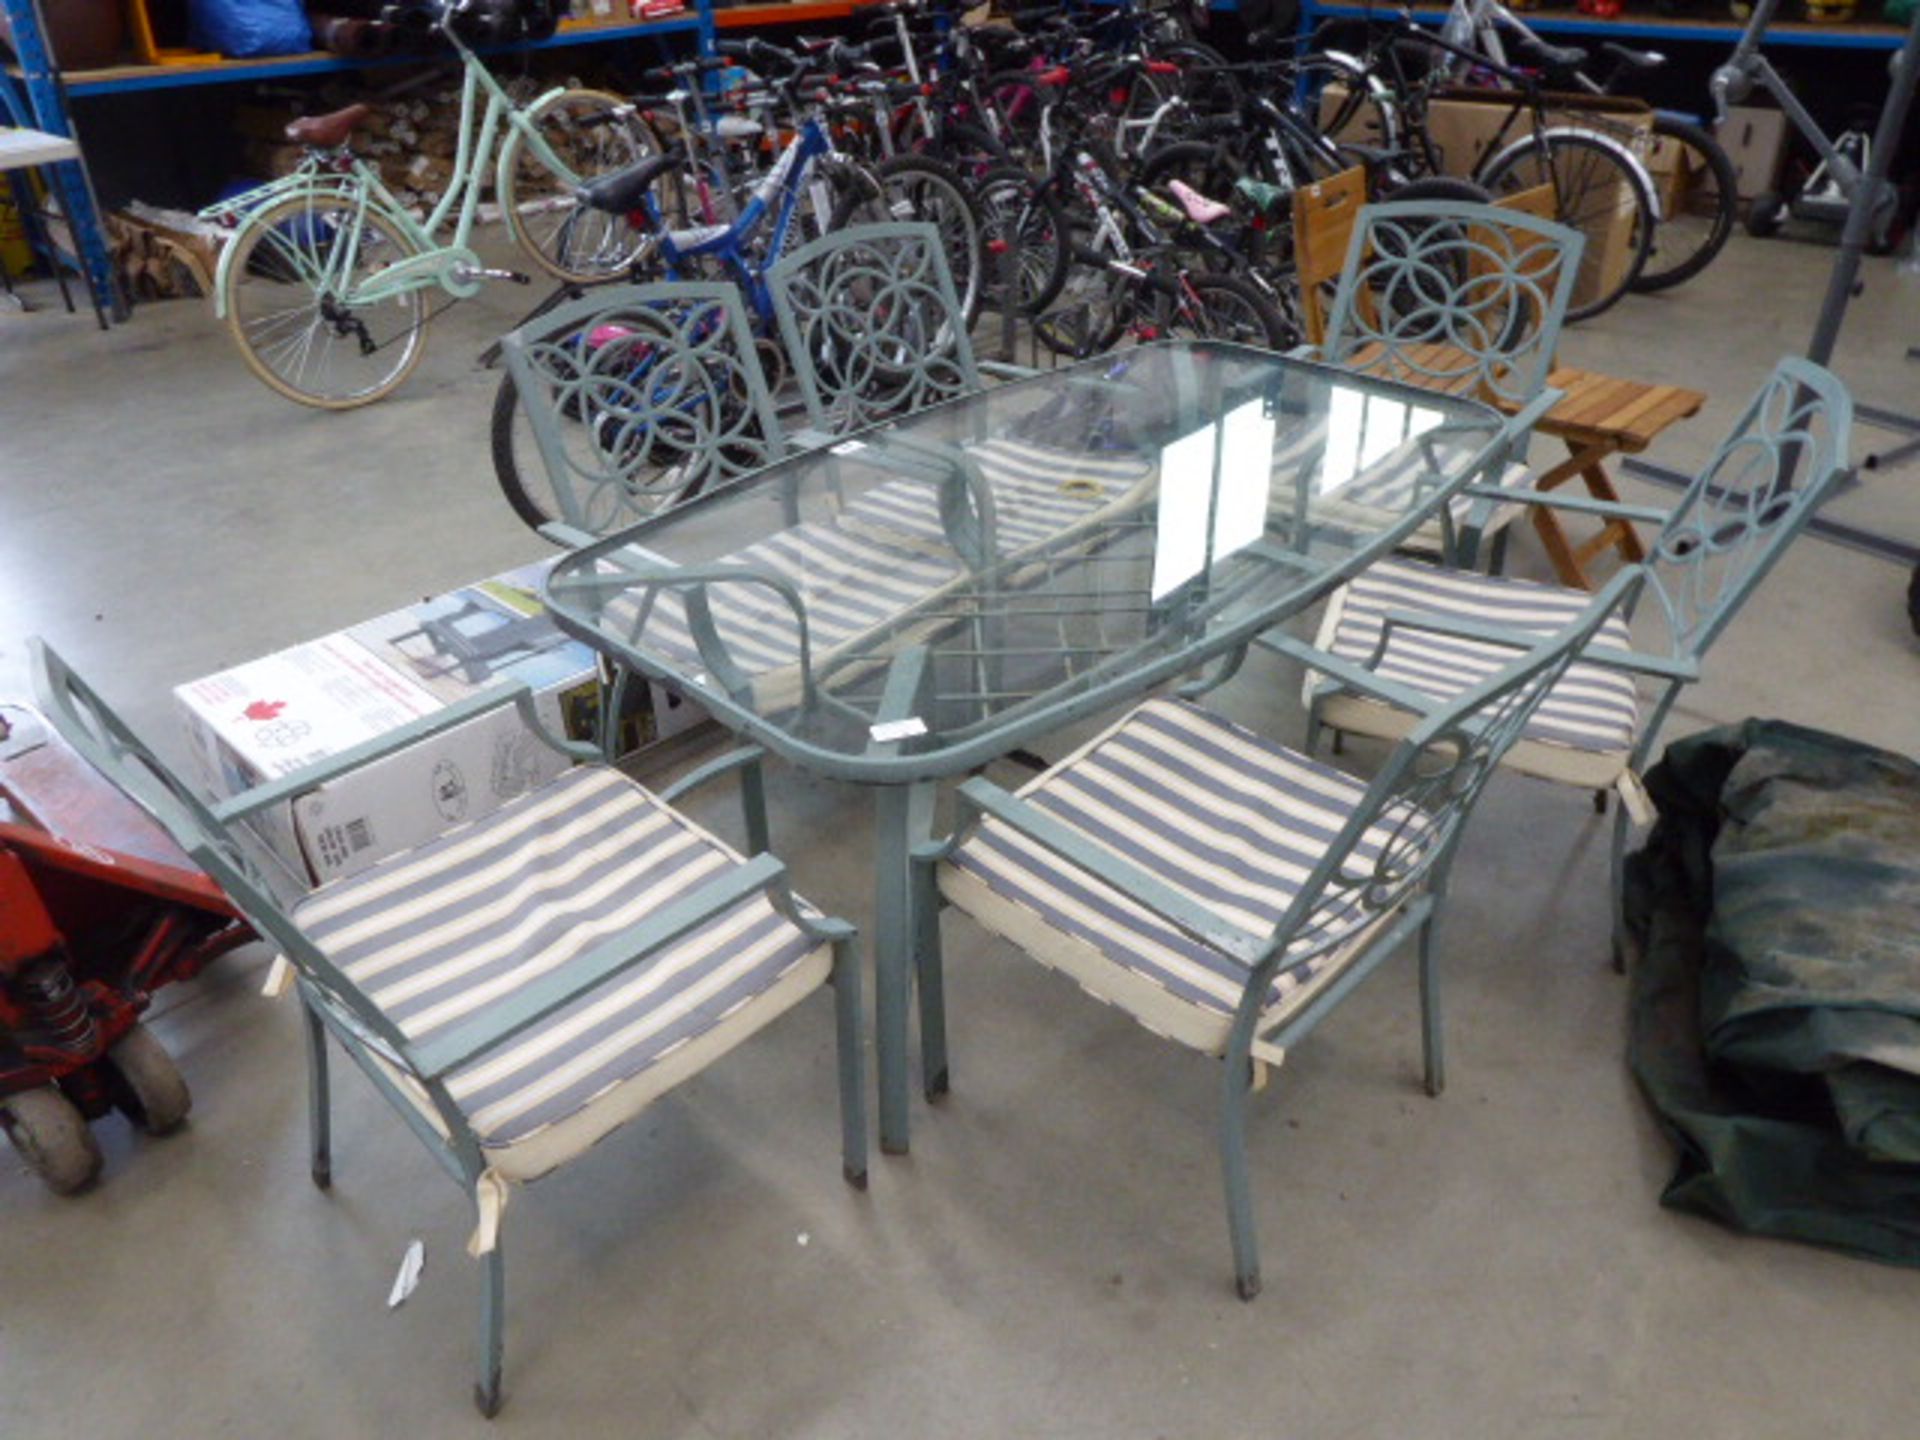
{"points": [[778, 193], [322, 176]]}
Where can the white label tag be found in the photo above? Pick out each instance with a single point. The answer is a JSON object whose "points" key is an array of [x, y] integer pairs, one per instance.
{"points": [[404, 1284], [1633, 795], [849, 447], [888, 730], [279, 978]]}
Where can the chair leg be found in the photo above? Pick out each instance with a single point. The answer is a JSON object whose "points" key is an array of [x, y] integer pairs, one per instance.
{"points": [[1497, 551], [931, 974], [1432, 1042], [1311, 741], [753, 809], [319, 1110], [1233, 1166], [853, 1082], [493, 1305]]}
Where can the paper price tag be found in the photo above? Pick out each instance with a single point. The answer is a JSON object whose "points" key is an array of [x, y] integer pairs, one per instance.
{"points": [[888, 730]]}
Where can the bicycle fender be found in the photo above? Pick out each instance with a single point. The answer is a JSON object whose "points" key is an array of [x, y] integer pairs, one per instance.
{"points": [[1648, 189]]}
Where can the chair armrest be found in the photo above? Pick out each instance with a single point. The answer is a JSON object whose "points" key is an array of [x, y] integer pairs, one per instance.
{"points": [[1525, 416], [1352, 676], [1583, 504], [1130, 880], [1685, 669], [567, 537], [433, 1059], [1304, 352], [1006, 370], [275, 792]]}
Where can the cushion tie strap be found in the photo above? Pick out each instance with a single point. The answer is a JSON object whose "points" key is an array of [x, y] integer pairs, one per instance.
{"points": [[279, 978], [490, 1201], [1633, 795]]}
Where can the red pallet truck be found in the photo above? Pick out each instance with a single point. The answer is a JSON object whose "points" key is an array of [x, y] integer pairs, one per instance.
{"points": [[98, 909]]}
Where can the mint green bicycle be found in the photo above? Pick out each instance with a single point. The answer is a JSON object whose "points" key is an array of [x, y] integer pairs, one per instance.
{"points": [[325, 281]]}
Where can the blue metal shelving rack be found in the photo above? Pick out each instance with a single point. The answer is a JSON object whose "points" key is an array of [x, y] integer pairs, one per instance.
{"points": [[35, 93], [38, 99]]}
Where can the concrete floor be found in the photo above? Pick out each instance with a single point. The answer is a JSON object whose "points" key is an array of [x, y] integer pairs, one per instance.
{"points": [[1051, 1260]]}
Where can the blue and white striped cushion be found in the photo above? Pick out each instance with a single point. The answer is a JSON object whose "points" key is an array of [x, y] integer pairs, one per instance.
{"points": [[884, 555], [1592, 708], [1232, 820], [442, 934]]}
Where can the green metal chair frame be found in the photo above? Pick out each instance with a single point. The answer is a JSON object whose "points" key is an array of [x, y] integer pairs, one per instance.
{"points": [[640, 395], [871, 323], [1349, 907], [1778, 462], [332, 1002], [1464, 298]]}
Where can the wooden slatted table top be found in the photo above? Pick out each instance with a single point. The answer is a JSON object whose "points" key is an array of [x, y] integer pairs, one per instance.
{"points": [[1625, 415]]}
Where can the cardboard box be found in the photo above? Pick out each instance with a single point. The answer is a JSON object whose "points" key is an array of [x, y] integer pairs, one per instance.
{"points": [[1465, 124], [274, 716], [1756, 142]]}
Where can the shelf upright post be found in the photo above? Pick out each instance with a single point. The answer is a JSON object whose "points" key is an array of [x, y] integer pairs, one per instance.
{"points": [[46, 93]]}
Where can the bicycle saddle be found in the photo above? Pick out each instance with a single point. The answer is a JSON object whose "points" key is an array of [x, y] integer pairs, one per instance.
{"points": [[1632, 59], [326, 132], [620, 192], [1556, 57], [1199, 208]]}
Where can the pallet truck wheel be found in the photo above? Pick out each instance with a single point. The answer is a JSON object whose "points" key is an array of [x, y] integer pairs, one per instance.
{"points": [[1765, 214], [53, 1137], [147, 1086]]}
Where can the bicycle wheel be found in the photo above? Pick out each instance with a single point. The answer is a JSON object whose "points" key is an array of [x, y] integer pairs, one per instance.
{"points": [[1699, 203], [589, 138], [1597, 191], [1017, 217], [914, 188], [1092, 310], [1226, 307], [288, 299]]}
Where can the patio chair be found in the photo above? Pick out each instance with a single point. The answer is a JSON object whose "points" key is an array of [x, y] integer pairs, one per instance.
{"points": [[640, 396], [1228, 892], [1597, 729], [526, 983], [1461, 298], [872, 326]]}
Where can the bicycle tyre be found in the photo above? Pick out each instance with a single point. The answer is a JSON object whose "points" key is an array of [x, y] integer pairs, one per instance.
{"points": [[1232, 308], [1092, 310], [506, 437], [558, 234], [1014, 210], [276, 310], [915, 188], [1684, 245], [1598, 192]]}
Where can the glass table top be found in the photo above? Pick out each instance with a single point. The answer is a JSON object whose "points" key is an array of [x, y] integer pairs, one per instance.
{"points": [[944, 585]]}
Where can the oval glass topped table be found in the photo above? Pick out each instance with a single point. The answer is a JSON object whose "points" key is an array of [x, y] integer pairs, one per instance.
{"points": [[940, 590]]}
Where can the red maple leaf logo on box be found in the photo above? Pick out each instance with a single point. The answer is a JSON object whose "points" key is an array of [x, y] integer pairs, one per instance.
{"points": [[264, 709]]}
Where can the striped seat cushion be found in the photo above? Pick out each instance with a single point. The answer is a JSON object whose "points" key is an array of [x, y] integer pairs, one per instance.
{"points": [[1381, 491], [1592, 712], [880, 558], [445, 933], [1232, 820]]}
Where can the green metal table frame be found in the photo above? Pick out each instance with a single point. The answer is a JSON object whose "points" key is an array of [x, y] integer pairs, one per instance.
{"points": [[906, 770]]}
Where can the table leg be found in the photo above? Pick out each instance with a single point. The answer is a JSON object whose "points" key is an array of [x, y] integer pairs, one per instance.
{"points": [[903, 818]]}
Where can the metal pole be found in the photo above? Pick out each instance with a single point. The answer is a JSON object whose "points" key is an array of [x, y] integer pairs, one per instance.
{"points": [[1860, 212]]}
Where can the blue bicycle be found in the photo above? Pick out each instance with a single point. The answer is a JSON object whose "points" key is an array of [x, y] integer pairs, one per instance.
{"points": [[811, 189]]}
